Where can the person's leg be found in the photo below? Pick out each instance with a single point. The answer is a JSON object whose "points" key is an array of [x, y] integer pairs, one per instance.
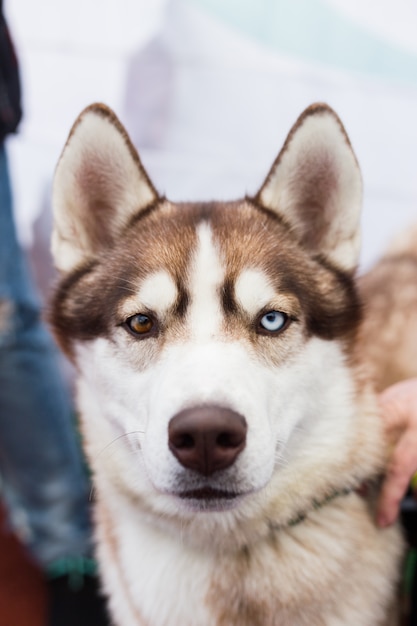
{"points": [[41, 466], [40, 460]]}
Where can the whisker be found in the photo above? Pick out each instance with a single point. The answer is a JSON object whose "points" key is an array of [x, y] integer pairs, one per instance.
{"points": [[91, 495], [116, 439], [133, 284], [134, 291], [111, 443], [126, 280], [280, 459]]}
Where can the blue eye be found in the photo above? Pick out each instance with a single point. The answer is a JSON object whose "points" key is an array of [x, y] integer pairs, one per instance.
{"points": [[273, 321]]}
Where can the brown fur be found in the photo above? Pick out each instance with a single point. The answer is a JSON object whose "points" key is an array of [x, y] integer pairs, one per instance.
{"points": [[388, 338]]}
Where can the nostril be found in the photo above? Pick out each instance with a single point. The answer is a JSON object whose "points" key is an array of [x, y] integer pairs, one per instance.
{"points": [[184, 441], [229, 440]]}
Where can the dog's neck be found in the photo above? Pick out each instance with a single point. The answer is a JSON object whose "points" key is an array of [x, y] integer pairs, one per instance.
{"points": [[366, 490]]}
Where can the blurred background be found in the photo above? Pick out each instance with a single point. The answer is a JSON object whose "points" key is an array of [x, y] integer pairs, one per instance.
{"points": [[208, 90]]}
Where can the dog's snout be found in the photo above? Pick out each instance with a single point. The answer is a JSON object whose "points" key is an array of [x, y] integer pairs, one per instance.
{"points": [[207, 438]]}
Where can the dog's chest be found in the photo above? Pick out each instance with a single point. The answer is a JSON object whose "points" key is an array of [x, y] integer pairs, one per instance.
{"points": [[298, 578]]}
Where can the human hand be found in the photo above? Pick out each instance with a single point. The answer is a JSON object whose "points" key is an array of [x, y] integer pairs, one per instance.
{"points": [[398, 406]]}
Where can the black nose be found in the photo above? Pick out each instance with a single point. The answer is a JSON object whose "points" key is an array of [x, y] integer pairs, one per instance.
{"points": [[207, 438]]}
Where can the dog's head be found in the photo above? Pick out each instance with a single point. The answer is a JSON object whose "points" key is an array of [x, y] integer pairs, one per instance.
{"points": [[211, 338]]}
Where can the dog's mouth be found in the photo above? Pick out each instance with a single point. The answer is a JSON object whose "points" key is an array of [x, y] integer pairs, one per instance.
{"points": [[209, 499], [207, 494]]}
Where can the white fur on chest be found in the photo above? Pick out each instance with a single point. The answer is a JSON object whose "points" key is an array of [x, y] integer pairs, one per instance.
{"points": [[164, 582], [339, 578]]}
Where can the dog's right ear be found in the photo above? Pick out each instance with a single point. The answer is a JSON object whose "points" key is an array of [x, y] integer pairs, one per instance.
{"points": [[99, 185]]}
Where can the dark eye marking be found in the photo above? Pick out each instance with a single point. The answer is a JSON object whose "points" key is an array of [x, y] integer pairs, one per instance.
{"points": [[141, 326], [272, 322]]}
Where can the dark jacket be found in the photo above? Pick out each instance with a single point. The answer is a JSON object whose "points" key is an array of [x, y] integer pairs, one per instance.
{"points": [[10, 94]]}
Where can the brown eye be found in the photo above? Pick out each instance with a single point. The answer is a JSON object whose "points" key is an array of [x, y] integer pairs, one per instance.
{"points": [[139, 324]]}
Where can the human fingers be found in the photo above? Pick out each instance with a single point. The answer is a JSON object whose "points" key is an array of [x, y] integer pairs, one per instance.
{"points": [[398, 405], [402, 466]]}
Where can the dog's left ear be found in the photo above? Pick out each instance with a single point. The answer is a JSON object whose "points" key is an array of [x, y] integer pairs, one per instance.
{"points": [[99, 185], [315, 186]]}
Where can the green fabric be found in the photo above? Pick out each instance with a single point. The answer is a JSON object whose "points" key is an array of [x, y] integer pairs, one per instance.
{"points": [[410, 571], [75, 568]]}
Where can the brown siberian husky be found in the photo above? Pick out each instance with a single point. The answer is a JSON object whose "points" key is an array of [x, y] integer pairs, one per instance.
{"points": [[224, 386]]}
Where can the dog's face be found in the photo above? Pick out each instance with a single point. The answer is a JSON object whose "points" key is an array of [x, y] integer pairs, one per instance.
{"points": [[201, 331]]}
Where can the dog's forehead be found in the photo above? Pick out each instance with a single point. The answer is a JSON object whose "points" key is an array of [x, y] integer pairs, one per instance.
{"points": [[238, 233], [204, 249]]}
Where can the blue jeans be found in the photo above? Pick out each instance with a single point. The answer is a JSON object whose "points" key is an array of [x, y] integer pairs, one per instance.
{"points": [[42, 471]]}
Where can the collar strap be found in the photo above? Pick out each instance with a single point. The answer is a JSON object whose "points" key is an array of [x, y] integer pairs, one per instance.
{"points": [[318, 504], [366, 490], [315, 506]]}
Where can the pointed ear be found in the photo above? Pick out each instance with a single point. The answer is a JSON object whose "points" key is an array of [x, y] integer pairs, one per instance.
{"points": [[99, 185], [315, 185]]}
